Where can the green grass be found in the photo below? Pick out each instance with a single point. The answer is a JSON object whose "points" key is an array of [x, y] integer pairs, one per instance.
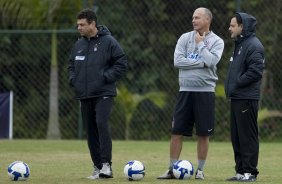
{"points": [[58, 162]]}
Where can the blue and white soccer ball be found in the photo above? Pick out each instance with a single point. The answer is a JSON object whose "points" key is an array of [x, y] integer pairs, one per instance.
{"points": [[134, 170], [183, 169], [18, 171]]}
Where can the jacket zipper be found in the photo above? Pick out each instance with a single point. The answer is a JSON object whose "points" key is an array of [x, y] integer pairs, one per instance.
{"points": [[86, 64]]}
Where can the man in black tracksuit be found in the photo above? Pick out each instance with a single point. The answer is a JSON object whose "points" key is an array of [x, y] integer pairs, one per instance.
{"points": [[242, 87], [97, 61]]}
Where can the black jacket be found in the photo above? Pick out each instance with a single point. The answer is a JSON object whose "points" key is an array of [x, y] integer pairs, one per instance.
{"points": [[96, 64], [247, 63]]}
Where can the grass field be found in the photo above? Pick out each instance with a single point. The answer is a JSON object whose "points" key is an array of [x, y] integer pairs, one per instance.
{"points": [[68, 162]]}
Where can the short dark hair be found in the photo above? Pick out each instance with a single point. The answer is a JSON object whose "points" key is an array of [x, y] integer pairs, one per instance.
{"points": [[87, 14], [238, 18]]}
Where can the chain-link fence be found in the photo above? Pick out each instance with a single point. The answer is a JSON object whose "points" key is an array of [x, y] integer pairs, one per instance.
{"points": [[33, 65]]}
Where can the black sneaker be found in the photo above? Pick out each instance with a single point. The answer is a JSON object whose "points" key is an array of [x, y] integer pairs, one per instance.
{"points": [[167, 175]]}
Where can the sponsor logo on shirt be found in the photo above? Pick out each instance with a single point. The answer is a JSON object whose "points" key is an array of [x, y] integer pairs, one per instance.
{"points": [[80, 58]]}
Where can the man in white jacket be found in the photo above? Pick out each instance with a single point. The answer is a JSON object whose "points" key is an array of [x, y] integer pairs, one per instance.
{"points": [[196, 56]]}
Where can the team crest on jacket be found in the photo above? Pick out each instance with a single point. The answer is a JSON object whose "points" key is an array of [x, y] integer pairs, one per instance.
{"points": [[96, 46], [193, 56]]}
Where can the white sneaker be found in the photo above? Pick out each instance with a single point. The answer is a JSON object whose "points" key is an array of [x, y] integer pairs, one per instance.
{"points": [[106, 171], [248, 177], [167, 175], [95, 174], [237, 177], [200, 175]]}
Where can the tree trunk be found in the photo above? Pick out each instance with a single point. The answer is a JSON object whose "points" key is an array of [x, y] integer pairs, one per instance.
{"points": [[53, 125]]}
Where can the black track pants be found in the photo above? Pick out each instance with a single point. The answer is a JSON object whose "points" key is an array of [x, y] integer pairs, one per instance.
{"points": [[95, 115], [244, 135]]}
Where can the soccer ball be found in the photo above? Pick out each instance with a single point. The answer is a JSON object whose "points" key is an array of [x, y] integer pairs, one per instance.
{"points": [[134, 170], [18, 171], [183, 169]]}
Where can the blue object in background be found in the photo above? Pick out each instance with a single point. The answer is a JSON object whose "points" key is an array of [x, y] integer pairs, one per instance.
{"points": [[6, 115]]}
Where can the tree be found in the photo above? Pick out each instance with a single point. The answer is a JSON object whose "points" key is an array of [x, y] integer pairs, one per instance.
{"points": [[45, 14], [55, 7]]}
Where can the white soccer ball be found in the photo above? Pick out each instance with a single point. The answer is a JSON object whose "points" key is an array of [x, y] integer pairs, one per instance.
{"points": [[18, 171], [183, 169], [134, 170]]}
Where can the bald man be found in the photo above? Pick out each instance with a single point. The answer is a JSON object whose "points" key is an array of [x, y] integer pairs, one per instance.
{"points": [[196, 55]]}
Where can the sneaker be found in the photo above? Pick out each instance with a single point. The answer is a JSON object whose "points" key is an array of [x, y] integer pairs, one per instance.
{"points": [[248, 177], [167, 175], [106, 171], [200, 175], [95, 174], [237, 177]]}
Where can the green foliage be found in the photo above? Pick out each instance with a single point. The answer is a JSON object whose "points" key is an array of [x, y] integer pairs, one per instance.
{"points": [[24, 119], [146, 48], [15, 14], [130, 101], [147, 123], [270, 123], [265, 113], [219, 91]]}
